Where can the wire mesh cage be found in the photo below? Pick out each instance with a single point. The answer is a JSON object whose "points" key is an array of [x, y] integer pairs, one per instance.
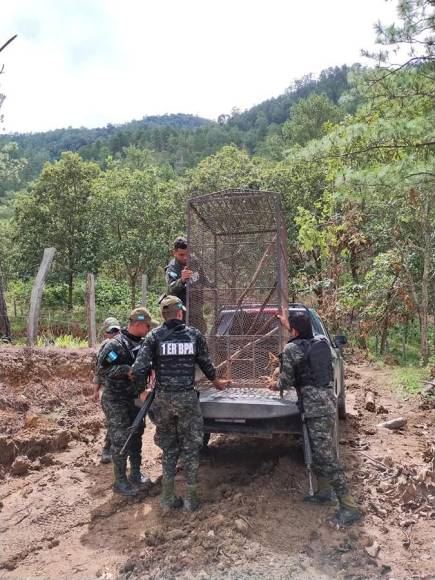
{"points": [[237, 253]]}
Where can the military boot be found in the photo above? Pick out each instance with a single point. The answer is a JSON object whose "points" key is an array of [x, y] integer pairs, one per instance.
{"points": [[192, 501], [324, 495], [136, 478], [106, 455], [169, 500], [121, 485], [348, 512]]}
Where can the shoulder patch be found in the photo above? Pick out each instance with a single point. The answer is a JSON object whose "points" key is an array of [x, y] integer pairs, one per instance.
{"points": [[112, 356], [173, 274]]}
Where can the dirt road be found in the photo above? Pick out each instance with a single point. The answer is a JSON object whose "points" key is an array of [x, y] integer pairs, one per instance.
{"points": [[59, 519]]}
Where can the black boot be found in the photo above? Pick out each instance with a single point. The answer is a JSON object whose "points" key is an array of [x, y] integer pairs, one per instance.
{"points": [[121, 485], [106, 455], [348, 512], [168, 499], [324, 495], [136, 478], [192, 501]]}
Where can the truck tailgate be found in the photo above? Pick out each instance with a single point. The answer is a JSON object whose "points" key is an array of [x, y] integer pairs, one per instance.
{"points": [[245, 403]]}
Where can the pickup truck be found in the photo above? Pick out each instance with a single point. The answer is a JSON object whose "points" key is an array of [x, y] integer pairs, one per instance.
{"points": [[253, 408]]}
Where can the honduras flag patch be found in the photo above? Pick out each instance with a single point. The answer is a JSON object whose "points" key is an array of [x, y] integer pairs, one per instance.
{"points": [[112, 356]]}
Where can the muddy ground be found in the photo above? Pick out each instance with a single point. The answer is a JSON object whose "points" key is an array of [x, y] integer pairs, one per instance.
{"points": [[59, 518]]}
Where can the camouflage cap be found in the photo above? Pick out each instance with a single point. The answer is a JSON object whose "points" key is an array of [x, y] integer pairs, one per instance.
{"points": [[141, 314], [111, 323], [172, 301]]}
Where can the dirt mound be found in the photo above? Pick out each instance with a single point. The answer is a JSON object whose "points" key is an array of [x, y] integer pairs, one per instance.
{"points": [[19, 366], [44, 400]]}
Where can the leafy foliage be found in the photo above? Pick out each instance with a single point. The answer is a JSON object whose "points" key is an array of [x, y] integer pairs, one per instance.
{"points": [[57, 212], [137, 212]]}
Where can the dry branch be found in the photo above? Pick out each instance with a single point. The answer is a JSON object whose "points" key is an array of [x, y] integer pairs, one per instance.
{"points": [[246, 346], [253, 279]]}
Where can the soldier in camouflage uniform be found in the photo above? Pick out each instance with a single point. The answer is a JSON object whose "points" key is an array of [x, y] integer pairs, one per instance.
{"points": [[306, 364], [172, 350], [178, 275], [111, 328], [113, 367]]}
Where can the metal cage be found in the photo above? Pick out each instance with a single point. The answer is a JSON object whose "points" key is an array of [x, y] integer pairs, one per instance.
{"points": [[237, 252]]}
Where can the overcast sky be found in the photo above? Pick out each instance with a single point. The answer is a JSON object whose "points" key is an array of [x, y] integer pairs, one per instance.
{"points": [[92, 62]]}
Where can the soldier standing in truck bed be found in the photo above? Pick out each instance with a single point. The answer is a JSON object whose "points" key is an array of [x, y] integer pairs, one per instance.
{"points": [[179, 275], [173, 350], [306, 365]]}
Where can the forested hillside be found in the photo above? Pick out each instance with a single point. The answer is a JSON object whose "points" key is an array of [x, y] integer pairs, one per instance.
{"points": [[180, 140], [352, 153]]}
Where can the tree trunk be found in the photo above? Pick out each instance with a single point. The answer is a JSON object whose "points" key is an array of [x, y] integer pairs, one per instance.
{"points": [[133, 283], [354, 266], [386, 318], [319, 290], [70, 290], [5, 327], [405, 340], [425, 283], [384, 334]]}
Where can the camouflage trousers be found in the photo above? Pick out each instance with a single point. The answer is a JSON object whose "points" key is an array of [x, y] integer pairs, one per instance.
{"points": [[120, 414], [107, 445], [179, 429], [325, 461]]}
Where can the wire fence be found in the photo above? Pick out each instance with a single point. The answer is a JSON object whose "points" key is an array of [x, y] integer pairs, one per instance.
{"points": [[58, 323]]}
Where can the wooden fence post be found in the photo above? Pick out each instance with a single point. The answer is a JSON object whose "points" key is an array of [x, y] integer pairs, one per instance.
{"points": [[36, 296], [144, 298], [90, 310], [5, 327]]}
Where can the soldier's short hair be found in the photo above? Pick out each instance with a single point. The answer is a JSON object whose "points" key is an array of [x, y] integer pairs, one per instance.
{"points": [[180, 243], [301, 322]]}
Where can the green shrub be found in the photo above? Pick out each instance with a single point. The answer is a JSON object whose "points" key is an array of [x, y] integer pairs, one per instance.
{"points": [[63, 341]]}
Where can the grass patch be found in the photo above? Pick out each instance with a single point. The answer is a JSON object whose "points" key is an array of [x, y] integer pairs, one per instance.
{"points": [[63, 341], [410, 379]]}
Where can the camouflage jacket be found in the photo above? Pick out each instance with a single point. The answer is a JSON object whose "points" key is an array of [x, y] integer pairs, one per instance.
{"points": [[317, 402], [173, 350], [97, 379], [115, 359], [176, 287]]}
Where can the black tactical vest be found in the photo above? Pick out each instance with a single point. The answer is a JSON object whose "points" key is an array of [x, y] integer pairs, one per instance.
{"points": [[316, 368], [176, 355]]}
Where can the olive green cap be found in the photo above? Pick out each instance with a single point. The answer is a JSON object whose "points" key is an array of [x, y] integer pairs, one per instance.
{"points": [[141, 314], [172, 301]]}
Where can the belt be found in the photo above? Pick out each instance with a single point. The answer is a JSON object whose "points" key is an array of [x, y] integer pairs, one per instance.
{"points": [[323, 387], [176, 389]]}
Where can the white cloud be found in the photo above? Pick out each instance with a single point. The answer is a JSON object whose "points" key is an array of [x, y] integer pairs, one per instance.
{"points": [[90, 62]]}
